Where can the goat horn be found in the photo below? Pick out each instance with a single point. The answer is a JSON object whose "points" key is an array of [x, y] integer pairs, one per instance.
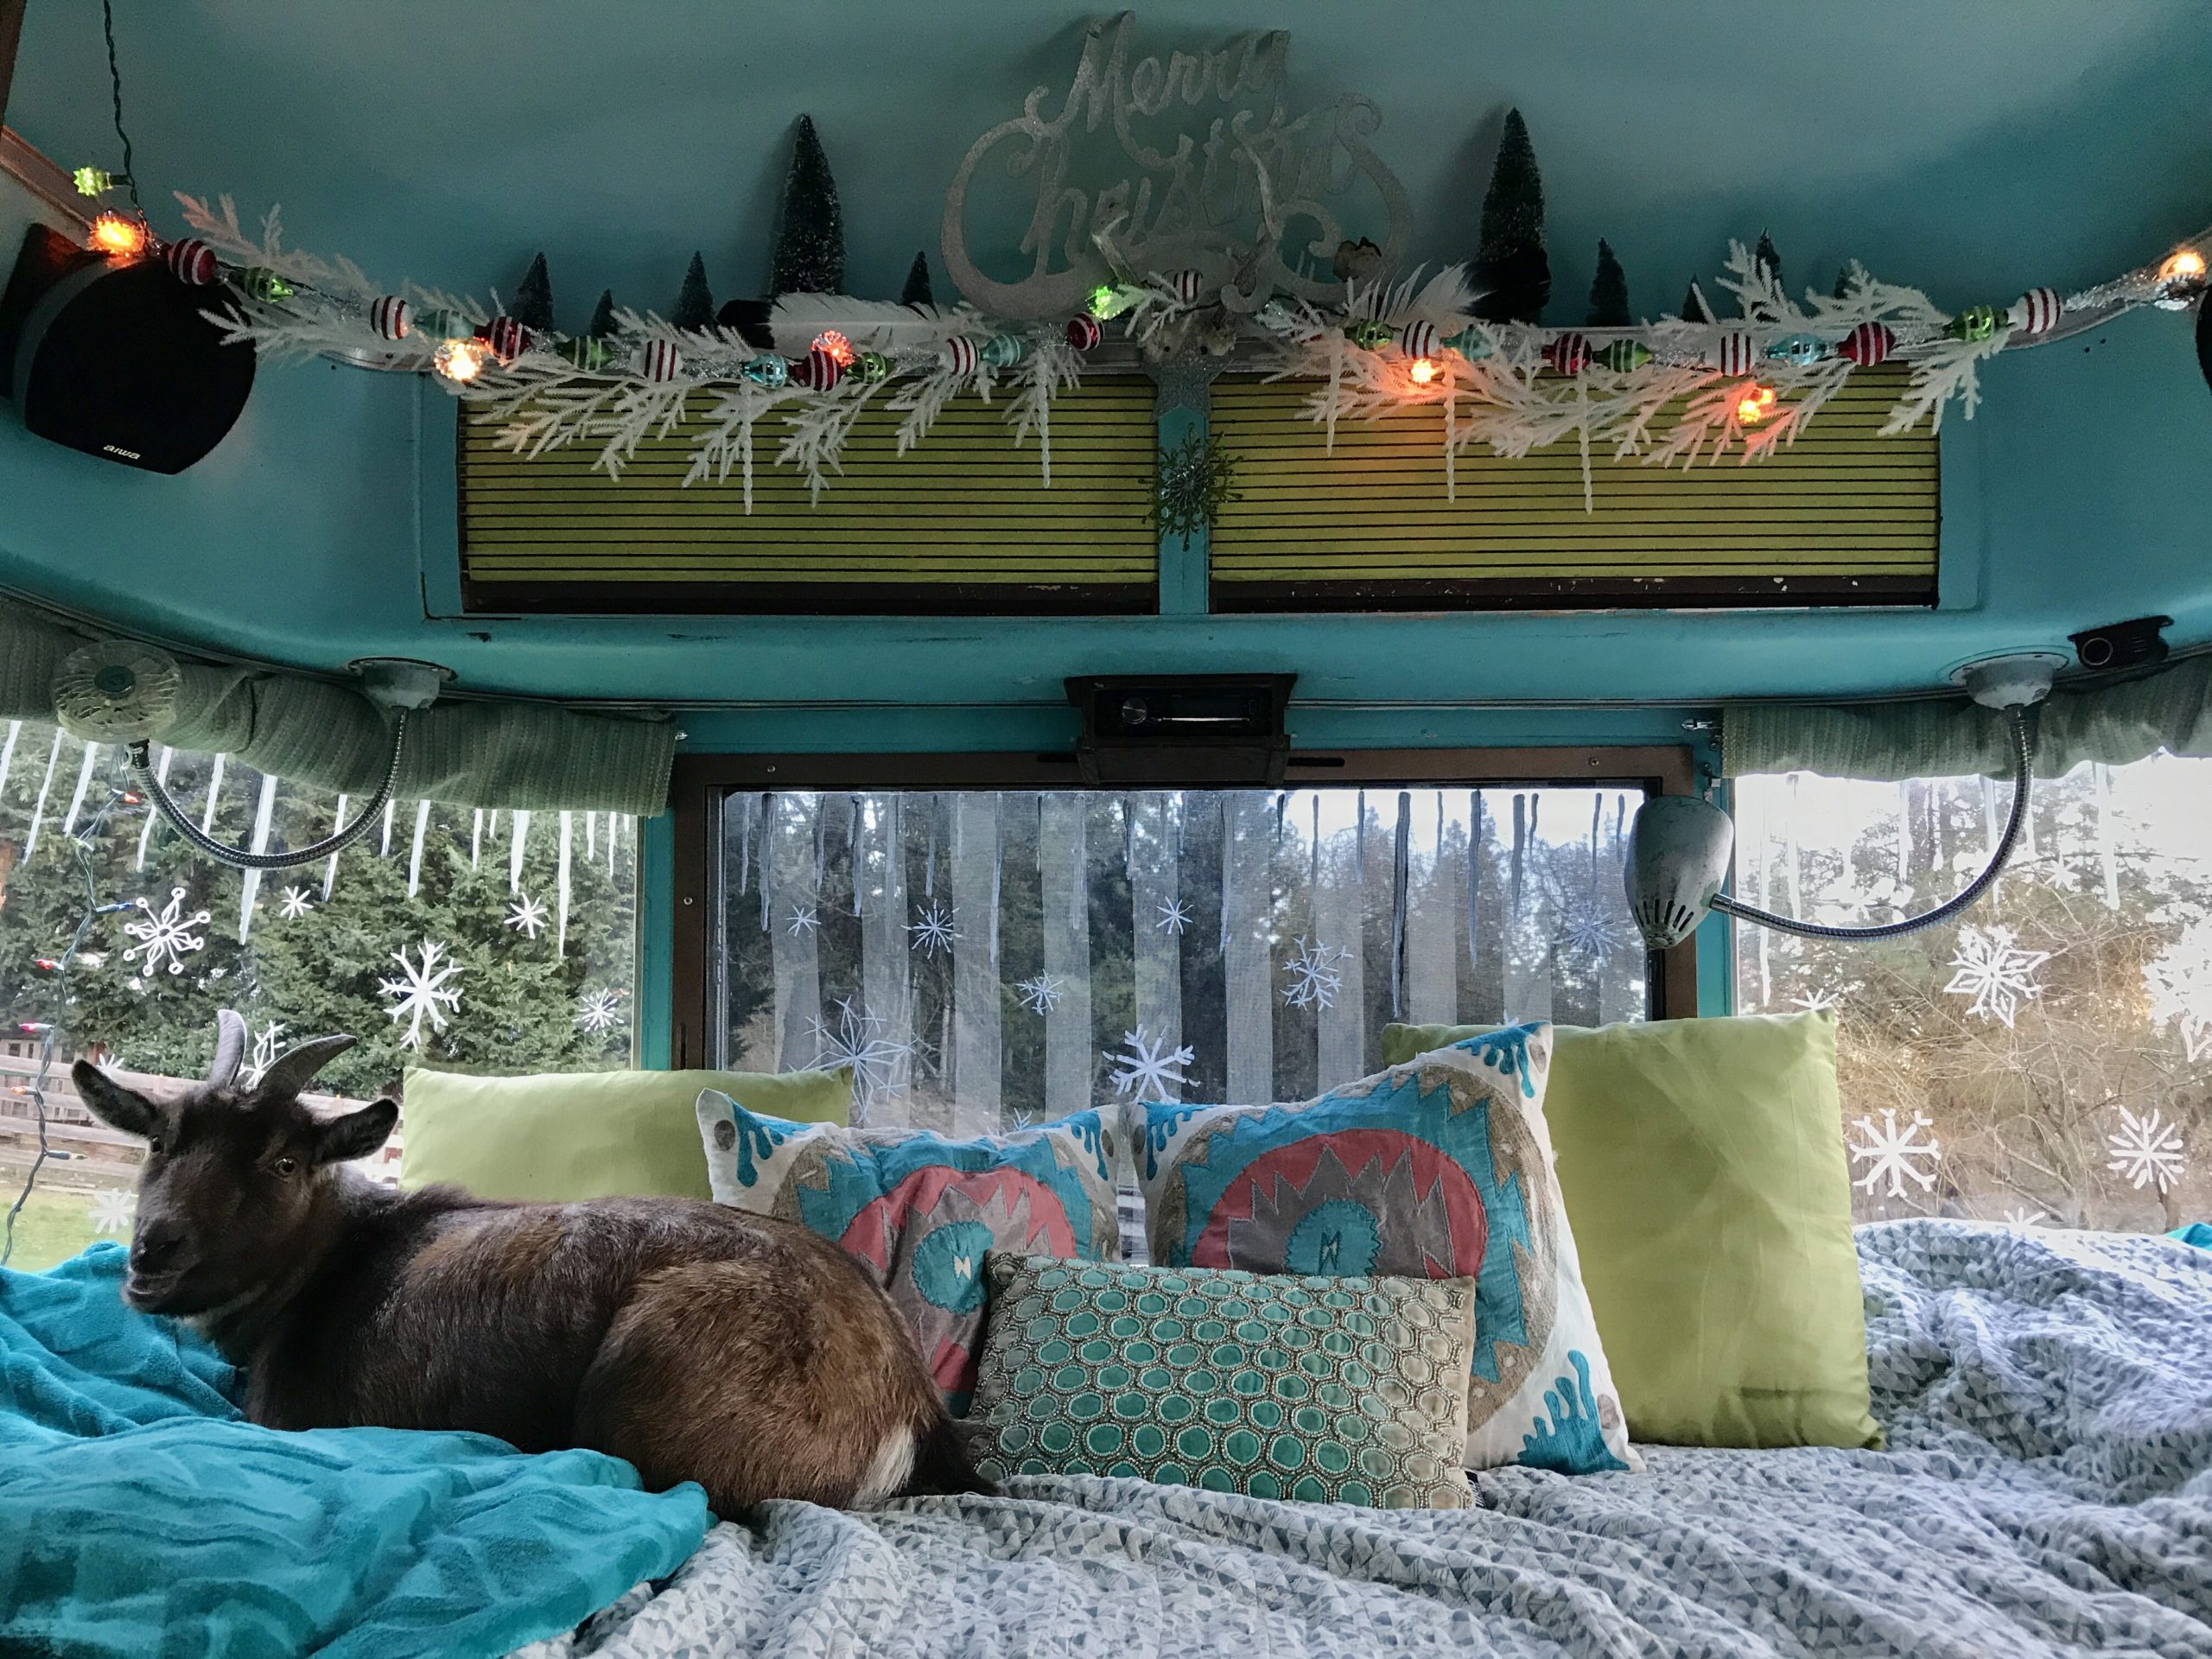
{"points": [[230, 1049], [295, 1067]]}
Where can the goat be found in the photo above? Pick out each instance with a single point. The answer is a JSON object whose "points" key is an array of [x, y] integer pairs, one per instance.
{"points": [[697, 1342]]}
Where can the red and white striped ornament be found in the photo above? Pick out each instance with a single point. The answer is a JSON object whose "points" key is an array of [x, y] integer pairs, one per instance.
{"points": [[1569, 354], [191, 261], [1185, 285], [1738, 354], [1866, 344], [1083, 331], [2036, 312], [507, 339], [819, 371], [658, 360], [1420, 340], [959, 356], [391, 317]]}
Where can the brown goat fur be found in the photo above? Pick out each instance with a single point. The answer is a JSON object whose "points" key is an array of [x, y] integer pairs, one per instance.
{"points": [[699, 1342]]}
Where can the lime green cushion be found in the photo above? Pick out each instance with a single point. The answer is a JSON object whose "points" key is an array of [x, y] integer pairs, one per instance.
{"points": [[588, 1135], [1703, 1167]]}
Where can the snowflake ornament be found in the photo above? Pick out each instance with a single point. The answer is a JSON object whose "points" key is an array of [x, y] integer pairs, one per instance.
{"points": [[1896, 1153], [423, 991], [599, 1012], [2021, 1219], [1818, 1001], [1592, 931], [2146, 1150], [526, 915], [1041, 994], [1995, 973], [1146, 1068], [881, 1063], [115, 1209], [803, 920], [2180, 983], [1316, 975], [1174, 917], [296, 904], [934, 932], [263, 1057], [167, 934]]}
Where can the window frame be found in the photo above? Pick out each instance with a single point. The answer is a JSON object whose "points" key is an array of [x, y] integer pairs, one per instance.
{"points": [[701, 782]]}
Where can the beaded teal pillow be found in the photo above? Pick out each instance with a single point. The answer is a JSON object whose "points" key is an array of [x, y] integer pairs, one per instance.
{"points": [[1334, 1390]]}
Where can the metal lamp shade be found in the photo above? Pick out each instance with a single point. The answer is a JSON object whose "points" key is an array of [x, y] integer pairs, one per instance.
{"points": [[1678, 853]]}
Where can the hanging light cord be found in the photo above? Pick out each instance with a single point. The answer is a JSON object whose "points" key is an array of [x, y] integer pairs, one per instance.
{"points": [[2020, 721], [240, 858], [115, 86]]}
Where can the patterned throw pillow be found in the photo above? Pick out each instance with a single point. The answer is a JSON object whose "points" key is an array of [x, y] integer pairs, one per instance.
{"points": [[921, 1211], [1441, 1167], [1334, 1390]]}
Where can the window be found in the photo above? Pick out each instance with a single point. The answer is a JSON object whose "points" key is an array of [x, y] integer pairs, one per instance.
{"points": [[991, 958], [2048, 1058], [479, 940]]}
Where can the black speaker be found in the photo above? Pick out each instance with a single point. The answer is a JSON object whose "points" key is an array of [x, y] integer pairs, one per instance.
{"points": [[113, 356]]}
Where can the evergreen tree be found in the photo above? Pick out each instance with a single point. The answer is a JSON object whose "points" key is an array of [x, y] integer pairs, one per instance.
{"points": [[1842, 288], [533, 300], [809, 252], [1694, 309], [1608, 291], [694, 306], [1764, 258], [602, 316], [1510, 265], [916, 291]]}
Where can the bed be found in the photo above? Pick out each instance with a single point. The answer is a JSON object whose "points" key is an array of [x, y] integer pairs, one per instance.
{"points": [[2047, 1490]]}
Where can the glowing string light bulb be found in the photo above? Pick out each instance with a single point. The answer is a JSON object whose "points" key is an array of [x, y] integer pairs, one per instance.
{"points": [[836, 346], [460, 360], [2183, 269], [1755, 406], [94, 180], [1421, 371], [119, 236]]}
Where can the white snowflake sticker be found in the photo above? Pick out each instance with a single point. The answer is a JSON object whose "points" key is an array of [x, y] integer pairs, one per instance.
{"points": [[803, 920], [115, 1209], [1146, 1067], [1316, 975], [881, 1063], [2146, 1150], [1897, 1152], [1592, 932], [1174, 917], [526, 915], [1995, 973], [2021, 1219], [424, 990], [167, 935], [933, 933], [264, 1055], [296, 904], [1041, 994], [599, 1012], [2180, 982]]}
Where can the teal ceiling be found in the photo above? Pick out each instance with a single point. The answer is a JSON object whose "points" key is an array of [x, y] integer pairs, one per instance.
{"points": [[1973, 148]]}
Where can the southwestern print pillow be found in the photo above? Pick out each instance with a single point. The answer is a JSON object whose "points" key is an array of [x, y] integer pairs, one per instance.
{"points": [[1330, 1390], [1439, 1168], [921, 1211]]}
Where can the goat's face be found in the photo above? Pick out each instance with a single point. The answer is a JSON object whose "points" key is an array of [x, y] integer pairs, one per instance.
{"points": [[235, 1180]]}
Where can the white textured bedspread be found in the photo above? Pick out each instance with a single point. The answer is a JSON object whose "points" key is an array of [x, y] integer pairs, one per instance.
{"points": [[2048, 1490]]}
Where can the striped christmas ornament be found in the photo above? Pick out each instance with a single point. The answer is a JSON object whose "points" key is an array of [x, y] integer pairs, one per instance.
{"points": [[1738, 354], [391, 317], [1866, 344], [658, 360], [1976, 322], [959, 356], [1569, 354], [508, 338], [1625, 356], [1471, 343], [1420, 340], [768, 371], [2036, 312], [872, 366], [191, 261], [585, 352], [1083, 331], [1186, 286], [1801, 351], [1002, 351], [818, 370], [1368, 333]]}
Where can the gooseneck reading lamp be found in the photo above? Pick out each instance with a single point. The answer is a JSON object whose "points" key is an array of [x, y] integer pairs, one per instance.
{"points": [[116, 691], [1680, 846]]}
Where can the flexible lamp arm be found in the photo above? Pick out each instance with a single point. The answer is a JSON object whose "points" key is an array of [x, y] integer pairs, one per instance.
{"points": [[239, 857], [2020, 722]]}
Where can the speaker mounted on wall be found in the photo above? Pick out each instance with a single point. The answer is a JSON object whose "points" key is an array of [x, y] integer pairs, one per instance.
{"points": [[113, 356]]}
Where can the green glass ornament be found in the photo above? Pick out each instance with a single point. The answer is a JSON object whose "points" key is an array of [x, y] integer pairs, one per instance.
{"points": [[1625, 356], [259, 283], [1367, 334], [872, 366], [586, 353], [767, 371], [1975, 323], [94, 181], [1471, 343], [1002, 351], [1802, 350]]}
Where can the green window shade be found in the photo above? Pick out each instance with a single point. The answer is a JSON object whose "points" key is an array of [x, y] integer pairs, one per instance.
{"points": [[1842, 517], [963, 523]]}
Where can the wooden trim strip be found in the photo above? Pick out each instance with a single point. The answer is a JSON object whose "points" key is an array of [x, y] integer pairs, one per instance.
{"points": [[625, 595], [1537, 593]]}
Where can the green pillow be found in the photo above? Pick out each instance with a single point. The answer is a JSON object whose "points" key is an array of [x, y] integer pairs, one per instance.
{"points": [[1703, 1166], [588, 1135], [1331, 1390]]}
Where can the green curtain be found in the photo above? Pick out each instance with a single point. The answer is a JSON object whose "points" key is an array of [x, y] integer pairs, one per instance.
{"points": [[1949, 737], [460, 751]]}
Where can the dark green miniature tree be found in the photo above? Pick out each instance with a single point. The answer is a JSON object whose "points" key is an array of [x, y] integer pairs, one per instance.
{"points": [[916, 291], [602, 316], [1510, 266], [1608, 291], [809, 252], [1694, 309], [1764, 258], [694, 305], [533, 300]]}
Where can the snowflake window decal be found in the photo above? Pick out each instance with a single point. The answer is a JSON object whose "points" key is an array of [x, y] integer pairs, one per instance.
{"points": [[881, 1063], [423, 990], [933, 933], [803, 920], [1146, 1067], [1592, 932], [1041, 994], [115, 1209], [1995, 973], [599, 1012], [167, 935], [296, 904], [526, 915], [2146, 1150], [263, 1056], [1316, 975], [1174, 917], [1896, 1152], [2180, 983]]}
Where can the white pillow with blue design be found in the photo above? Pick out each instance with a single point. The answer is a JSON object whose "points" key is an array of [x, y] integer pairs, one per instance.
{"points": [[1439, 1168], [921, 1211]]}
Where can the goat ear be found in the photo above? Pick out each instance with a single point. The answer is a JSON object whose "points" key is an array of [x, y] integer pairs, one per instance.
{"points": [[112, 1103], [357, 1134]]}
